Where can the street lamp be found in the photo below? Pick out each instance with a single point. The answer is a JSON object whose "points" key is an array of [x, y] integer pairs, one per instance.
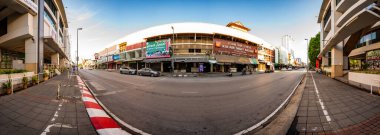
{"points": [[78, 29], [172, 61], [307, 53]]}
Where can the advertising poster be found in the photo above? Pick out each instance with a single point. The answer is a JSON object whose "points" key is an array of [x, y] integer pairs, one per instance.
{"points": [[158, 49]]}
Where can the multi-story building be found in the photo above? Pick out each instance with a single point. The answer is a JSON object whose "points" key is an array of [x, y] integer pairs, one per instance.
{"points": [[191, 47], [18, 34], [349, 35]]}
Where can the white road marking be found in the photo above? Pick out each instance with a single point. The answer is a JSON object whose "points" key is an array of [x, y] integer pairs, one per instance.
{"points": [[320, 101], [97, 86], [87, 99], [92, 112], [190, 92], [47, 129], [112, 131], [270, 115]]}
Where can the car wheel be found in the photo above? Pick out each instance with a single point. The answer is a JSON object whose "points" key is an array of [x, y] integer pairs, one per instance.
{"points": [[151, 75], [121, 72]]}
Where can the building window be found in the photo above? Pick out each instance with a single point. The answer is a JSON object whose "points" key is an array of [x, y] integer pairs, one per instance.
{"points": [[3, 27], [52, 7], [327, 16], [61, 24], [337, 2], [329, 58], [50, 19]]}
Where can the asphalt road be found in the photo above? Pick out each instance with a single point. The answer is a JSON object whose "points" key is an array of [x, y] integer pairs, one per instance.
{"points": [[163, 105]]}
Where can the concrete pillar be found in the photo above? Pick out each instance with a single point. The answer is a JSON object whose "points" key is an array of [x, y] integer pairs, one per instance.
{"points": [[211, 67], [337, 61], [55, 59], [223, 68], [31, 55], [162, 67]]}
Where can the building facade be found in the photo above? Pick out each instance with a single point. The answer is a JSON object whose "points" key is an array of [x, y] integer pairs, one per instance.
{"points": [[18, 35], [191, 47], [349, 35]]}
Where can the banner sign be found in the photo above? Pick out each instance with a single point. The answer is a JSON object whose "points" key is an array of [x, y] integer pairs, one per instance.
{"points": [[158, 49], [116, 57], [225, 47]]}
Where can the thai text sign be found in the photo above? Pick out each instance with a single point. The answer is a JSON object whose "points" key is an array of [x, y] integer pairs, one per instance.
{"points": [[225, 47], [158, 49]]}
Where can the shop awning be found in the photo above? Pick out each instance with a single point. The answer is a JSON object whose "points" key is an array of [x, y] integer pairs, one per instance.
{"points": [[254, 61], [212, 61], [225, 59], [243, 60]]}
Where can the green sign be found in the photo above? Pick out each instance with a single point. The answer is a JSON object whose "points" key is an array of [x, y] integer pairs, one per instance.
{"points": [[158, 49]]}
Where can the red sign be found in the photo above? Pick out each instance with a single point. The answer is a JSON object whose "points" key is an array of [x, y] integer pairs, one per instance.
{"points": [[225, 47]]}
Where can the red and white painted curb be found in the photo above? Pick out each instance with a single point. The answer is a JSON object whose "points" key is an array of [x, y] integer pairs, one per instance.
{"points": [[101, 121]]}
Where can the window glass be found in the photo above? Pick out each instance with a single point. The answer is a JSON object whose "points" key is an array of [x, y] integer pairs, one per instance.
{"points": [[49, 18], [3, 27]]}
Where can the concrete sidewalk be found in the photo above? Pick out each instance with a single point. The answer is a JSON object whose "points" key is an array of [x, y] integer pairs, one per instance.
{"points": [[332, 107], [37, 111]]}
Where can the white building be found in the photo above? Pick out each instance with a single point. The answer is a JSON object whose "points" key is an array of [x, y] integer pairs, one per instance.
{"points": [[18, 34]]}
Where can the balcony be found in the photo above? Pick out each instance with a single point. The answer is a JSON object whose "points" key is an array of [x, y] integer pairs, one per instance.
{"points": [[353, 10], [327, 25], [364, 18], [343, 5]]}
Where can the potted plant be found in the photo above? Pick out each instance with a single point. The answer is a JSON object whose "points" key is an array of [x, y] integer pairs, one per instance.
{"points": [[8, 86], [46, 76], [34, 80], [25, 81]]}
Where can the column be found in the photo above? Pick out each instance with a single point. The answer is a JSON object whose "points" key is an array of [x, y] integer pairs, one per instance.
{"points": [[337, 60], [222, 68], [55, 59], [162, 67], [211, 67], [31, 55]]}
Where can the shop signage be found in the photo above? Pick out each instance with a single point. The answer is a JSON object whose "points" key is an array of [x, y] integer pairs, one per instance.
{"points": [[158, 49], [116, 57], [123, 47], [225, 47], [373, 55], [30, 5]]}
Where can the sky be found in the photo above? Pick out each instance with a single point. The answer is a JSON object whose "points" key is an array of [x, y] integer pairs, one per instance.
{"points": [[104, 21]]}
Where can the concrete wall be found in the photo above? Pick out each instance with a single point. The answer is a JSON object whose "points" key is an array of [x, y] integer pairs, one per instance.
{"points": [[367, 79]]}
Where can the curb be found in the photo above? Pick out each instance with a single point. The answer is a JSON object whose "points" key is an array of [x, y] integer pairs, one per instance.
{"points": [[102, 122], [271, 116], [284, 120]]}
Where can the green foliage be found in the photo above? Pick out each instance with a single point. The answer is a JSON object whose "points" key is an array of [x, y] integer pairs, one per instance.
{"points": [[46, 74], [25, 80], [314, 49], [11, 71], [34, 79], [7, 85]]}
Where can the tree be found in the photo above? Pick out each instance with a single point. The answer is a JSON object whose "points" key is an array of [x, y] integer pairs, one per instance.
{"points": [[314, 49]]}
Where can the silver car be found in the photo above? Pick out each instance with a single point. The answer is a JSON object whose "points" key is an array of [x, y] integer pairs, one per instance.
{"points": [[148, 72], [127, 70]]}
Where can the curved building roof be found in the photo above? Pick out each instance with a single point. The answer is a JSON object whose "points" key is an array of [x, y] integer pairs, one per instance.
{"points": [[189, 27]]}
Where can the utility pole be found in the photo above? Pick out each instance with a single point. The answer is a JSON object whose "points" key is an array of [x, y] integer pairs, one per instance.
{"points": [[307, 51], [78, 29], [40, 35], [172, 61]]}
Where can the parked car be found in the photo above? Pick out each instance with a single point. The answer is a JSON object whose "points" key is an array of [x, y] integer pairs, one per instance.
{"points": [[127, 70], [148, 72]]}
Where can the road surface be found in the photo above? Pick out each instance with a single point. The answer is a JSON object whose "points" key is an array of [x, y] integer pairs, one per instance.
{"points": [[210, 105]]}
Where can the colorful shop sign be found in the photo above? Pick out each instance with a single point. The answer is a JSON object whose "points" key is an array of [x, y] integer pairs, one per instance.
{"points": [[158, 49], [225, 47]]}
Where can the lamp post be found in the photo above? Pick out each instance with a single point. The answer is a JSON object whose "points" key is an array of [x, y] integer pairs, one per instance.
{"points": [[307, 54], [172, 61], [77, 58]]}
